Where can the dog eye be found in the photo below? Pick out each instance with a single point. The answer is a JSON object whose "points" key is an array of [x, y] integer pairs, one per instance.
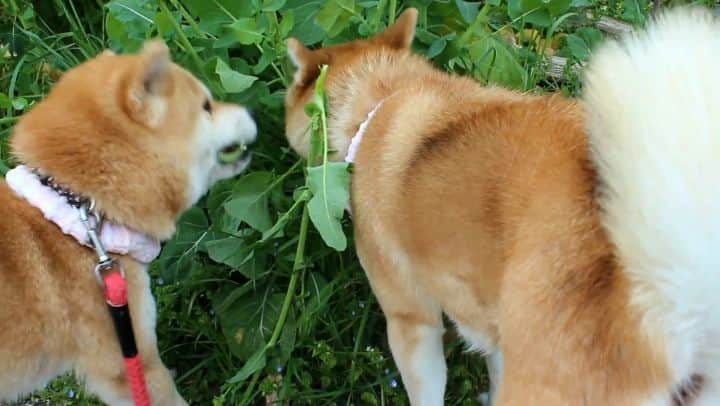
{"points": [[207, 106]]}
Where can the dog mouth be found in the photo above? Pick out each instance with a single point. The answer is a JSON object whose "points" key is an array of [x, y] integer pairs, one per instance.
{"points": [[233, 153]]}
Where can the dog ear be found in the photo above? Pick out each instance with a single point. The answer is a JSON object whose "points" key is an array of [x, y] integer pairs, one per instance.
{"points": [[149, 83], [306, 61], [400, 35]]}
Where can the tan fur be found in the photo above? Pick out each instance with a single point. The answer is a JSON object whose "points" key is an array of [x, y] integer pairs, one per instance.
{"points": [[121, 130], [479, 202]]}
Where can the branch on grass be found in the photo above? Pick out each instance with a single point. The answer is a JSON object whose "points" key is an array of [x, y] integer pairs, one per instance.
{"points": [[557, 65]]}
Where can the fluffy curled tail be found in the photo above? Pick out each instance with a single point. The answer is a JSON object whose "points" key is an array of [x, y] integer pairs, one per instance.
{"points": [[653, 104]]}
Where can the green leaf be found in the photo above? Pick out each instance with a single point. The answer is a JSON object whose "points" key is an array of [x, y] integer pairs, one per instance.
{"points": [[164, 23], [592, 36], [633, 11], [334, 16], [5, 101], [495, 62], [249, 202], [277, 229], [19, 103], [306, 29], [255, 363], [577, 47], [232, 81], [232, 252], [218, 196], [129, 22], [246, 31], [534, 12], [316, 105], [558, 7], [176, 259], [236, 8], [247, 320], [468, 10], [329, 185], [229, 251], [436, 48], [287, 20], [273, 5]]}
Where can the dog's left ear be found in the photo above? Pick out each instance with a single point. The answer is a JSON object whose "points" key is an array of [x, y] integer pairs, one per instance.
{"points": [[400, 35], [149, 83], [306, 61]]}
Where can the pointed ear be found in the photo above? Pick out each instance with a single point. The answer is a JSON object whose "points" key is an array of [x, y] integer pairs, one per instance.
{"points": [[299, 54], [400, 35], [155, 63], [149, 83], [306, 61]]}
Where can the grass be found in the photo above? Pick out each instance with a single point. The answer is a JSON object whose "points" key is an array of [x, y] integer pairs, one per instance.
{"points": [[253, 305]]}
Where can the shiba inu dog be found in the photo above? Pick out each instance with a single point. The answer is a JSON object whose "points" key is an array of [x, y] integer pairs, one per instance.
{"points": [[143, 140], [575, 242]]}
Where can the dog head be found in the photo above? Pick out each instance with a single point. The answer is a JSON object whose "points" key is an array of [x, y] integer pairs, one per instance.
{"points": [[397, 38], [137, 133]]}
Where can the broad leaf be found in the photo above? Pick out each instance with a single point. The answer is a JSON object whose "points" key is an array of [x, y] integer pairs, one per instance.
{"points": [[246, 31], [468, 10], [247, 320], [249, 202], [232, 252], [178, 253], [232, 81], [329, 185], [305, 28], [255, 363], [496, 62]]}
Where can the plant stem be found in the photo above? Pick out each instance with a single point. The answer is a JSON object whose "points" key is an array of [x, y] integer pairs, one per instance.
{"points": [[480, 19], [200, 65], [9, 120], [298, 264], [392, 11], [189, 19]]}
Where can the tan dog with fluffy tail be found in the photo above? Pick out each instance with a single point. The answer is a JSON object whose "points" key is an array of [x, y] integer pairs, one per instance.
{"points": [[575, 243], [144, 140]]}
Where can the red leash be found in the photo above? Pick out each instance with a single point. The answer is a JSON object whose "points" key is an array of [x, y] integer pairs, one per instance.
{"points": [[116, 299], [111, 277]]}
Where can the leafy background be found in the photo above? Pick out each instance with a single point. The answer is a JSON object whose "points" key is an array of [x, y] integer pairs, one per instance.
{"points": [[258, 300]]}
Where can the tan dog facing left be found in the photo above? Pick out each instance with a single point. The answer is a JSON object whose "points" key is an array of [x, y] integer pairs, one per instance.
{"points": [[142, 137]]}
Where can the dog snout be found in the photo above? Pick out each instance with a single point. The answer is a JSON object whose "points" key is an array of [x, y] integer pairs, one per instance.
{"points": [[245, 126]]}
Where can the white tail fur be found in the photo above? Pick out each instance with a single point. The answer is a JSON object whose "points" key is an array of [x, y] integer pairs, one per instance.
{"points": [[653, 105]]}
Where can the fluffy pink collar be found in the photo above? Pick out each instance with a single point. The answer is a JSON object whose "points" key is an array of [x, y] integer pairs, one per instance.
{"points": [[115, 238]]}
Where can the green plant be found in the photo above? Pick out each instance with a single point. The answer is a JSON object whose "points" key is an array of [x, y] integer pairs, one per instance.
{"points": [[260, 295]]}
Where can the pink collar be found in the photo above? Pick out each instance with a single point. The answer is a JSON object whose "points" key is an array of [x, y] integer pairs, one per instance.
{"points": [[357, 138], [115, 238]]}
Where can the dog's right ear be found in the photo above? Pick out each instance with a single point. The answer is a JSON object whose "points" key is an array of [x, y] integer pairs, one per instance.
{"points": [[306, 61], [400, 35], [149, 83]]}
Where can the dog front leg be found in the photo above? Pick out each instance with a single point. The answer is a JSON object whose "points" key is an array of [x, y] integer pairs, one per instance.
{"points": [[142, 309], [414, 326]]}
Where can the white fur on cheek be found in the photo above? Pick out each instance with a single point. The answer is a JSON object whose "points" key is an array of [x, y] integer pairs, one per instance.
{"points": [[227, 125]]}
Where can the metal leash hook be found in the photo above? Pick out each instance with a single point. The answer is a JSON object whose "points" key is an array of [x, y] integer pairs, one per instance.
{"points": [[116, 297], [93, 221]]}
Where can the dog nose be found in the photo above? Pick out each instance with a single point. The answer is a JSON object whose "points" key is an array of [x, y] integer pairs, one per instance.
{"points": [[246, 127], [250, 112]]}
